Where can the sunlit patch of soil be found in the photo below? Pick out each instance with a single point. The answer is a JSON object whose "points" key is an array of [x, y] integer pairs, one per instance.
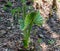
{"points": [[58, 10]]}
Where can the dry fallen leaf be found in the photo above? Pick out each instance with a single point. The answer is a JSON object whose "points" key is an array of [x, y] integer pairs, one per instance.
{"points": [[44, 46], [44, 6]]}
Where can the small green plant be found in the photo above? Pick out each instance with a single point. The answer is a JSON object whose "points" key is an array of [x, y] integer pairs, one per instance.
{"points": [[15, 13], [9, 4], [30, 19], [51, 41], [27, 22], [40, 40], [4, 8]]}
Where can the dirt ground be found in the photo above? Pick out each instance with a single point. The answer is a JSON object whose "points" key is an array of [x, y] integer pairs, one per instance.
{"points": [[45, 38]]}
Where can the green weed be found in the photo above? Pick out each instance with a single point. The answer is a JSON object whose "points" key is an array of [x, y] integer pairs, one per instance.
{"points": [[27, 22]]}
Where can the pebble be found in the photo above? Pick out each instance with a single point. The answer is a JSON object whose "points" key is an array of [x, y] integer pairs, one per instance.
{"points": [[2, 31]]}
